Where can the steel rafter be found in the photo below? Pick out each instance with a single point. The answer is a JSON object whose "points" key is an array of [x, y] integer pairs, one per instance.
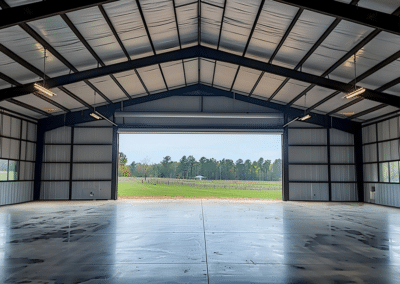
{"points": [[205, 52], [150, 40], [355, 14], [249, 39], [35, 11], [283, 39], [378, 107], [91, 50], [344, 58], [73, 118], [32, 108]]}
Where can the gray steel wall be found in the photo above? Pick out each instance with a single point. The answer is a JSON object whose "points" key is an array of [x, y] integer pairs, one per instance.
{"points": [[381, 162], [17, 149], [321, 164], [77, 162]]}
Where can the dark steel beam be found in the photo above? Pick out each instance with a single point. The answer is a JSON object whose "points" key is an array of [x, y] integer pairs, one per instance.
{"points": [[355, 14], [74, 118], [205, 52], [91, 50], [31, 108], [365, 112], [249, 39], [150, 40], [35, 11], [271, 59]]}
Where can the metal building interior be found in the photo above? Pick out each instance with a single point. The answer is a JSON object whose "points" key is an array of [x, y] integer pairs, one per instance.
{"points": [[323, 74]]}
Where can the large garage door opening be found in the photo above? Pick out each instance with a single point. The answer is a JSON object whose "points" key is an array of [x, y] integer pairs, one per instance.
{"points": [[165, 165]]}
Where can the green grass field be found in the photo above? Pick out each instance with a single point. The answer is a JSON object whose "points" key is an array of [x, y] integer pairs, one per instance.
{"points": [[131, 188]]}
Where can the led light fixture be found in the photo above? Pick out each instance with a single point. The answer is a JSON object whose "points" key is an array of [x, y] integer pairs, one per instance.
{"points": [[305, 117], [95, 115], [355, 93], [293, 120], [347, 113], [43, 90]]}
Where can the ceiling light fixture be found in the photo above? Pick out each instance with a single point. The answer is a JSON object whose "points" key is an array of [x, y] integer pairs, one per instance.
{"points": [[355, 93], [43, 90], [293, 120], [307, 116], [95, 115], [347, 113]]}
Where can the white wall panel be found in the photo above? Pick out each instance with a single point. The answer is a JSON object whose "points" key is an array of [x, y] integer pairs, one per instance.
{"points": [[343, 173], [91, 190], [60, 135], [342, 155], [344, 192], [55, 171], [86, 153], [370, 153], [54, 190], [15, 192], [310, 173], [309, 191], [91, 171], [93, 135], [369, 134], [56, 153], [370, 172], [307, 136], [308, 154], [338, 137]]}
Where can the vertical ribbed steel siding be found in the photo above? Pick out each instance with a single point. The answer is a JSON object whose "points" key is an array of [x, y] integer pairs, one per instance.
{"points": [[381, 145], [12, 131]]}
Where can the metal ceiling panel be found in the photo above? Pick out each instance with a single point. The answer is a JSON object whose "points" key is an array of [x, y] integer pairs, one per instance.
{"points": [[219, 3], [191, 71], [125, 17], [344, 37], [82, 90], [395, 90], [211, 18], [131, 83], [206, 71], [19, 42], [377, 50], [383, 76], [305, 33], [4, 84], [378, 113], [173, 72], [315, 95], [152, 78], [224, 75], [160, 19], [57, 33], [21, 110], [290, 91], [36, 102], [359, 107], [94, 28], [268, 84], [108, 87], [246, 79], [385, 6], [15, 3], [188, 24], [274, 20], [15, 71], [238, 22], [65, 100]]}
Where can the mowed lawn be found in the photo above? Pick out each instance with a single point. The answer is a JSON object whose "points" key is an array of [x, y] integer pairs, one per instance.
{"points": [[129, 188]]}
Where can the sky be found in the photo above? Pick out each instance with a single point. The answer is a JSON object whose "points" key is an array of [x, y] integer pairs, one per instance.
{"points": [[154, 147]]}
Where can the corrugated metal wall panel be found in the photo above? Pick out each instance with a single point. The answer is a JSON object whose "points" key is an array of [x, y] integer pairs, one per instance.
{"points": [[310, 173], [91, 190], [344, 192], [307, 136], [370, 153], [308, 154], [370, 172], [54, 191], [15, 192], [342, 155], [341, 138], [93, 135], [55, 172], [56, 153], [92, 153], [92, 171], [369, 134], [343, 173], [60, 135], [309, 191]]}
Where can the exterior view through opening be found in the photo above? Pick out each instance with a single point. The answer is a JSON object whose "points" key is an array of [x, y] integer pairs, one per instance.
{"points": [[164, 165]]}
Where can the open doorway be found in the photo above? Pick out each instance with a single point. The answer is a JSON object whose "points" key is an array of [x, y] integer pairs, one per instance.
{"points": [[164, 165]]}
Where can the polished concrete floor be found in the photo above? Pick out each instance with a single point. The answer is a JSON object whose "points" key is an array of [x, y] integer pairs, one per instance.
{"points": [[199, 241]]}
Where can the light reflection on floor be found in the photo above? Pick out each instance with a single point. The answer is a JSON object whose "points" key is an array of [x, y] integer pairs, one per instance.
{"points": [[166, 241]]}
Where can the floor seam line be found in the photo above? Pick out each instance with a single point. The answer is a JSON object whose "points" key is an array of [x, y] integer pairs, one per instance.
{"points": [[205, 241]]}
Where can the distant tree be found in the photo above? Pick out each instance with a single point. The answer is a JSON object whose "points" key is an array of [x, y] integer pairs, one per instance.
{"points": [[145, 163], [122, 159], [277, 170], [123, 169]]}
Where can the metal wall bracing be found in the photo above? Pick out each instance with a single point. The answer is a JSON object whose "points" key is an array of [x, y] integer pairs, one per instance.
{"points": [[17, 159], [321, 164], [78, 162], [381, 142]]}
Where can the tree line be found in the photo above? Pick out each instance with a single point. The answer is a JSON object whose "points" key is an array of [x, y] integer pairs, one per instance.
{"points": [[188, 168]]}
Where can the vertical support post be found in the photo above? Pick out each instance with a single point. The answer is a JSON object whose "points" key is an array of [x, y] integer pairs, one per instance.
{"points": [[328, 137], [358, 152], [285, 153], [114, 170], [71, 162], [20, 151], [377, 152], [38, 161]]}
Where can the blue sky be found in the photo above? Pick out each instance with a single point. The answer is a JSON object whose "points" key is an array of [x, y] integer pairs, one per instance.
{"points": [[229, 146]]}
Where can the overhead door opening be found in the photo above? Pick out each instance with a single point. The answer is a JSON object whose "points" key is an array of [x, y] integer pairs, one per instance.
{"points": [[200, 165]]}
